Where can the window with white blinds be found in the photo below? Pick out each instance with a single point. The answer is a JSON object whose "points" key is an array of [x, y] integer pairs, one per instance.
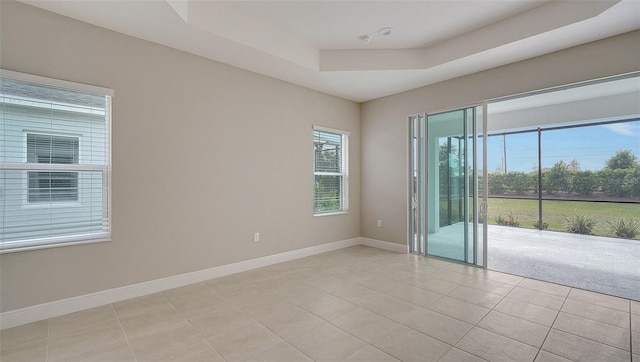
{"points": [[55, 162], [330, 166]]}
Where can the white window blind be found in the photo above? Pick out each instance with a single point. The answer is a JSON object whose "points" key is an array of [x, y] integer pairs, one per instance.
{"points": [[54, 162], [330, 165]]}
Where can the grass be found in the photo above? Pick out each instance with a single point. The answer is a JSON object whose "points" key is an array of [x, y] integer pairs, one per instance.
{"points": [[554, 212]]}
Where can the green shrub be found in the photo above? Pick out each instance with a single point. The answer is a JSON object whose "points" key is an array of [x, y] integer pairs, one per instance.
{"points": [[581, 224], [511, 221], [583, 182], [557, 178], [325, 198], [545, 225], [612, 182], [632, 182], [519, 182], [623, 228], [496, 183]]}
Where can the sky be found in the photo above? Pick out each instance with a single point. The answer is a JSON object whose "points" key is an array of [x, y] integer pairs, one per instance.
{"points": [[591, 146]]}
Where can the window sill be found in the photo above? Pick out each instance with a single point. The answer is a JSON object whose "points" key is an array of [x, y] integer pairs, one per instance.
{"points": [[331, 213], [37, 246]]}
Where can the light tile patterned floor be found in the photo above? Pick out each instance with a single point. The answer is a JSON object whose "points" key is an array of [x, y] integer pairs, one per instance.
{"points": [[355, 304]]}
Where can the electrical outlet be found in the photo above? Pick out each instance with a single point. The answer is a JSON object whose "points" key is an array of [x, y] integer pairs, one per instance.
{"points": [[256, 236], [379, 223]]}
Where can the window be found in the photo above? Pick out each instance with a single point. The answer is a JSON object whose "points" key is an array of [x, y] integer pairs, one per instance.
{"points": [[55, 151], [330, 166], [52, 186]]}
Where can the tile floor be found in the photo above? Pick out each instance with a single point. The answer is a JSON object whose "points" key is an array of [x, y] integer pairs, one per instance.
{"points": [[355, 304]]}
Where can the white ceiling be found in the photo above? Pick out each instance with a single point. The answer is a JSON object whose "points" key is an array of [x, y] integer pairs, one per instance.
{"points": [[315, 43]]}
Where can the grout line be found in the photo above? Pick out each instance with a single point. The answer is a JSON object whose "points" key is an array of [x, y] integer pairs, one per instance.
{"points": [[365, 342], [417, 305], [595, 305], [253, 318], [630, 332], [543, 292], [593, 320], [551, 328], [189, 322], [126, 337], [384, 335], [481, 319], [567, 298], [46, 357]]}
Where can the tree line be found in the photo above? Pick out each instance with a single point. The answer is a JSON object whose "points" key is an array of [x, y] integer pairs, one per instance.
{"points": [[620, 177]]}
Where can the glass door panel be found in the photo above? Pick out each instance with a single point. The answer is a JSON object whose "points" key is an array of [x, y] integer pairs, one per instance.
{"points": [[417, 185], [447, 205], [479, 196], [447, 198]]}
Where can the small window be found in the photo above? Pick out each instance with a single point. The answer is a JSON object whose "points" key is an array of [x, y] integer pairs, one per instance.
{"points": [[55, 162], [330, 163], [54, 150]]}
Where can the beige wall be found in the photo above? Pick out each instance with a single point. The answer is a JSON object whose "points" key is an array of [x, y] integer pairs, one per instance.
{"points": [[384, 125], [204, 155]]}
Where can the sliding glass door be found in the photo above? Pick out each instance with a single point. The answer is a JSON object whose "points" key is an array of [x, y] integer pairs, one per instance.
{"points": [[446, 186]]}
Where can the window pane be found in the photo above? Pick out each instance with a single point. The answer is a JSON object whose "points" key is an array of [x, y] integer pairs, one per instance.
{"points": [[83, 218], [53, 186], [328, 152], [52, 149], [327, 193]]}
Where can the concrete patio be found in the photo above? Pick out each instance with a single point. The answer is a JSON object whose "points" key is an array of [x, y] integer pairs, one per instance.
{"points": [[601, 264]]}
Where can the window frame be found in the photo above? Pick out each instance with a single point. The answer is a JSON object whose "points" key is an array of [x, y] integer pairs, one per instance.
{"points": [[343, 174], [105, 168]]}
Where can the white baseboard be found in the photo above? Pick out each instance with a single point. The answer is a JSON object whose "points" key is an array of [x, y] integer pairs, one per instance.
{"points": [[398, 248], [39, 312]]}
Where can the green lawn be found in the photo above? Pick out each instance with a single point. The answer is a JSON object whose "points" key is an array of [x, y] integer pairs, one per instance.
{"points": [[555, 211]]}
